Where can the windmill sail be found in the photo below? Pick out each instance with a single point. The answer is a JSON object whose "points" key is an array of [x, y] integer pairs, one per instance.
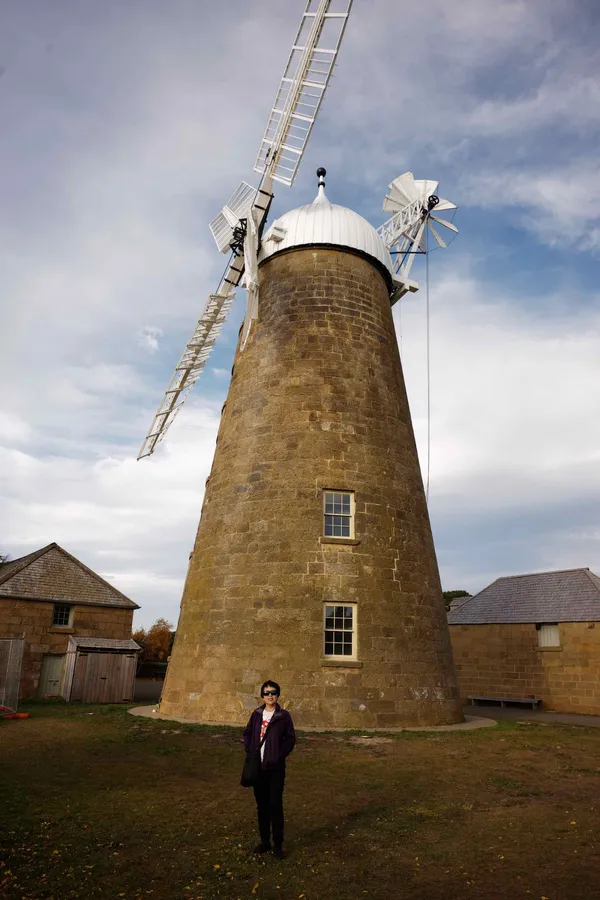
{"points": [[412, 204], [299, 97], [302, 88], [197, 350]]}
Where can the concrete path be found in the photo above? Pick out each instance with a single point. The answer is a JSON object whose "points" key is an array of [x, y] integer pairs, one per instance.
{"points": [[471, 722], [530, 715], [476, 716]]}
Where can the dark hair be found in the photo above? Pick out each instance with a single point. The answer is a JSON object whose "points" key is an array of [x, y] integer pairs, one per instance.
{"points": [[272, 684]]}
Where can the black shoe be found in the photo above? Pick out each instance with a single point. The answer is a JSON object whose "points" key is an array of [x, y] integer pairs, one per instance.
{"points": [[279, 852], [262, 848]]}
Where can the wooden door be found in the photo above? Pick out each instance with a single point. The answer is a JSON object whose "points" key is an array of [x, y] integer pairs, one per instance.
{"points": [[120, 673], [97, 676], [124, 677], [79, 677], [103, 677], [51, 675]]}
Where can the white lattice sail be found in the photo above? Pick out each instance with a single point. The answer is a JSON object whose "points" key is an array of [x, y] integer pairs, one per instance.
{"points": [[302, 88], [238, 207], [239, 224]]}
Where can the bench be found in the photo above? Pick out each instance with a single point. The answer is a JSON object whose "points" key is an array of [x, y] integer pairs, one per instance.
{"points": [[526, 701]]}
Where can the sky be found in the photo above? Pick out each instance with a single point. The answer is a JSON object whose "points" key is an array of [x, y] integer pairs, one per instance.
{"points": [[127, 124]]}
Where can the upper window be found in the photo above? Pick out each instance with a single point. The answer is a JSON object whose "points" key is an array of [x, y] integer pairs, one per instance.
{"points": [[548, 636], [340, 631], [338, 511], [62, 615]]}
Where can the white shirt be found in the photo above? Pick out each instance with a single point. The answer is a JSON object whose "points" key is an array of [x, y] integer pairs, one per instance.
{"points": [[266, 718]]}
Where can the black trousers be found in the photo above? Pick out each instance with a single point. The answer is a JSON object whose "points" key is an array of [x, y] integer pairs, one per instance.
{"points": [[269, 804]]}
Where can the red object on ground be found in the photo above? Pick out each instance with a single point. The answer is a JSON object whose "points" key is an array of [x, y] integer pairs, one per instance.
{"points": [[7, 713]]}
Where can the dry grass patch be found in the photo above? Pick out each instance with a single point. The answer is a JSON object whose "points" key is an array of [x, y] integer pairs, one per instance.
{"points": [[99, 804]]}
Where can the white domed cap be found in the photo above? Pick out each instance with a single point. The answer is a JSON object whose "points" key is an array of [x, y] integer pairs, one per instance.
{"points": [[322, 223]]}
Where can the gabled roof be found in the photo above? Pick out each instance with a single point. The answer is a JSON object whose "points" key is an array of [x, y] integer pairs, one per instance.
{"points": [[458, 601], [94, 643], [571, 595], [53, 574], [15, 565]]}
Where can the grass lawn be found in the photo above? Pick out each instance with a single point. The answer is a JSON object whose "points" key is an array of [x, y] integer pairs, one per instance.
{"points": [[96, 803]]}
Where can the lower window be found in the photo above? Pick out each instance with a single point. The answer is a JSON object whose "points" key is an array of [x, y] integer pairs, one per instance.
{"points": [[340, 630]]}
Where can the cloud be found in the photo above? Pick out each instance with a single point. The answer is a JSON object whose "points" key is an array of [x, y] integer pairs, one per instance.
{"points": [[147, 338], [133, 523], [112, 173], [515, 429], [560, 205]]}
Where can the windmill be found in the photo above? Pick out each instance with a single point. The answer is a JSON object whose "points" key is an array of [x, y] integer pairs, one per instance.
{"points": [[237, 228], [314, 560]]}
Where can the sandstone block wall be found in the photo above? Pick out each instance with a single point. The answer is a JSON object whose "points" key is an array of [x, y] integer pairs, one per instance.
{"points": [[505, 661], [317, 401], [33, 619]]}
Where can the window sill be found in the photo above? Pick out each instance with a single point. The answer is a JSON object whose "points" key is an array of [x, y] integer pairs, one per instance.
{"points": [[341, 663], [59, 629], [549, 649], [339, 540]]}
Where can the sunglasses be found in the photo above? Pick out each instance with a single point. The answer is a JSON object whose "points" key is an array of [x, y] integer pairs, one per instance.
{"points": [[269, 693]]}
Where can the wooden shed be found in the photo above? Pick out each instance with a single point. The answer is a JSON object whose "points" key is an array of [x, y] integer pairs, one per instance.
{"points": [[99, 670], [49, 597]]}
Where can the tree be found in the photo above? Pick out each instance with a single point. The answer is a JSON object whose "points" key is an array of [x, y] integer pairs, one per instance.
{"points": [[3, 558], [449, 596], [156, 642]]}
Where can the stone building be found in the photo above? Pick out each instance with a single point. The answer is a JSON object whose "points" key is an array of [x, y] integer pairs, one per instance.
{"points": [[65, 612], [314, 563], [532, 636]]}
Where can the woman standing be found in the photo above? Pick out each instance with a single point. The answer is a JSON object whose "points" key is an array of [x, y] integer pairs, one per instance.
{"points": [[274, 724]]}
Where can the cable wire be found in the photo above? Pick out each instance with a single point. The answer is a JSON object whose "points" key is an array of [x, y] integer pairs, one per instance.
{"points": [[428, 363], [400, 326]]}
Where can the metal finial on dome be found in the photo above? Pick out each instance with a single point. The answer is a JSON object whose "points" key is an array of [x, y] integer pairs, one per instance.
{"points": [[321, 196]]}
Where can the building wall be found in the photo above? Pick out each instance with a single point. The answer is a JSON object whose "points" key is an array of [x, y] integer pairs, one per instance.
{"points": [[34, 620], [505, 661], [317, 400]]}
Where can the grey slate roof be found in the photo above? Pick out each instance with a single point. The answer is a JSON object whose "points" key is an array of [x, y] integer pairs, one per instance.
{"points": [[458, 601], [572, 595], [93, 643], [53, 574]]}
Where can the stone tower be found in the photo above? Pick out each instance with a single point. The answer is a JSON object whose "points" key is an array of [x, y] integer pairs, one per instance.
{"points": [[314, 562]]}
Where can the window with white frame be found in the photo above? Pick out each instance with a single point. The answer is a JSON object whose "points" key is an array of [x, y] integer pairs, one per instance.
{"points": [[62, 615], [338, 512], [340, 630], [548, 635]]}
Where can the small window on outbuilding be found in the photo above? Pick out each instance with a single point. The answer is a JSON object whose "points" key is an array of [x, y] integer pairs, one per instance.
{"points": [[340, 631], [62, 615], [338, 512], [548, 635]]}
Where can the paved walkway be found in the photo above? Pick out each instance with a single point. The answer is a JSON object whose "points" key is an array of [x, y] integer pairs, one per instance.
{"points": [[530, 715], [477, 717], [471, 722]]}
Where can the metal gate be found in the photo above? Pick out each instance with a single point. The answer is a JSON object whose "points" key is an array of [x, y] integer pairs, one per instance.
{"points": [[11, 658], [103, 677]]}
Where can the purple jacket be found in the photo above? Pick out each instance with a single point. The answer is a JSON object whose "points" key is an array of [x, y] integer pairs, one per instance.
{"points": [[280, 738]]}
